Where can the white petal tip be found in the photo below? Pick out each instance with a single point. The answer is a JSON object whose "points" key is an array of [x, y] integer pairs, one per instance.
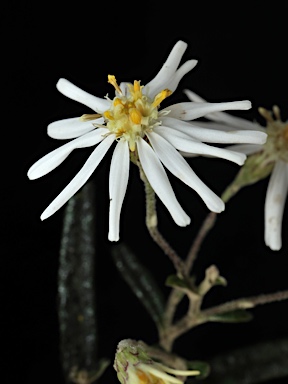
{"points": [[216, 206], [32, 175], [274, 247], [184, 222], [262, 137], [61, 81], [246, 104], [113, 238], [45, 215]]}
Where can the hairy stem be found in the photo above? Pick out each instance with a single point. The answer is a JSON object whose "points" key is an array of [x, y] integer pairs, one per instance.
{"points": [[151, 223]]}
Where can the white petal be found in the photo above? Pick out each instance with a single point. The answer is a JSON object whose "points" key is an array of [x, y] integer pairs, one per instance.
{"points": [[180, 73], [160, 183], [70, 90], [50, 161], [214, 136], [216, 126], [232, 121], [274, 205], [192, 110], [81, 177], [171, 158], [118, 180], [70, 128], [248, 149], [167, 71], [124, 87], [186, 144]]}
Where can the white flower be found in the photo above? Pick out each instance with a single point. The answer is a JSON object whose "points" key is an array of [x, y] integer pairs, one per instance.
{"points": [[270, 158], [133, 120]]}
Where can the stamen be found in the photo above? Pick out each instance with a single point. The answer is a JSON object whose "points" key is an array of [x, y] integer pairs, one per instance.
{"points": [[161, 96], [137, 87], [117, 101], [266, 114], [108, 115], [135, 116], [276, 111], [112, 80]]}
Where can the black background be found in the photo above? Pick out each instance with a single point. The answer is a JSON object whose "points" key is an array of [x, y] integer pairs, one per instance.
{"points": [[241, 52]]}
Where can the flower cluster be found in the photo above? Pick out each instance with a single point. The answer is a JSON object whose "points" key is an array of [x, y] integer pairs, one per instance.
{"points": [[155, 137], [270, 158]]}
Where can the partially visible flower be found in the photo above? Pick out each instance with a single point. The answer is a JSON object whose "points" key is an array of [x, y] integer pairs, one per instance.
{"points": [[133, 120], [270, 158], [134, 366]]}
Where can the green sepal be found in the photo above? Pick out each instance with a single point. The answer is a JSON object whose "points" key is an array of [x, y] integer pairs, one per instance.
{"points": [[252, 171], [201, 366], [140, 280], [237, 316]]}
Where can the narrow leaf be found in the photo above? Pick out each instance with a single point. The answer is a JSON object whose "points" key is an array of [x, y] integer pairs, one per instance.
{"points": [[176, 282], [237, 316], [76, 288], [140, 280]]}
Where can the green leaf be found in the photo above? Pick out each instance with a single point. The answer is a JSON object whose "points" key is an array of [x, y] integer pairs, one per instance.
{"points": [[220, 281], [176, 282], [237, 316], [140, 280], [201, 366]]}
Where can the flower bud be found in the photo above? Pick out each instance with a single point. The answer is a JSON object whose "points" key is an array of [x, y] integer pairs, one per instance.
{"points": [[134, 366]]}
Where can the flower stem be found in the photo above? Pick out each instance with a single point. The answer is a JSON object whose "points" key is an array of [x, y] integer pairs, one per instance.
{"points": [[151, 223], [246, 303], [202, 233]]}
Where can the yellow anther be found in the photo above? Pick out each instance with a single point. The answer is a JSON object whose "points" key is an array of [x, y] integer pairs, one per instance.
{"points": [[112, 80], [137, 86], [161, 96], [87, 117], [135, 116], [117, 102], [108, 115]]}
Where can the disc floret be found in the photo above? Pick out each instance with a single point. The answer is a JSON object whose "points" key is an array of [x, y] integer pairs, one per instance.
{"points": [[131, 115]]}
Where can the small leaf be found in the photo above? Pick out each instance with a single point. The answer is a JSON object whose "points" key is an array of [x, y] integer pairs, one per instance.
{"points": [[140, 280], [220, 281], [176, 282], [237, 316], [201, 366]]}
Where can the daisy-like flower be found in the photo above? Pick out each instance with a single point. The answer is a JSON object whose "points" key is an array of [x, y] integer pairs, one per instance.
{"points": [[270, 158], [134, 366], [133, 121]]}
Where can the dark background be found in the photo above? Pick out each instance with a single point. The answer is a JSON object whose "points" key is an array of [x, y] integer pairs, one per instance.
{"points": [[241, 53]]}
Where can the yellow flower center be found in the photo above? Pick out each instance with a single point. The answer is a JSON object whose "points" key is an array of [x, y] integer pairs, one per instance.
{"points": [[131, 115]]}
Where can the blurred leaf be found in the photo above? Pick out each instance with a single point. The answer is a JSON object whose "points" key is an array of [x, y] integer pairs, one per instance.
{"points": [[221, 281], [201, 366], [76, 284], [262, 362], [176, 282], [140, 280], [237, 316]]}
